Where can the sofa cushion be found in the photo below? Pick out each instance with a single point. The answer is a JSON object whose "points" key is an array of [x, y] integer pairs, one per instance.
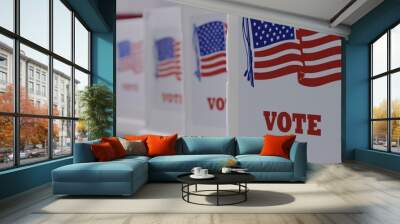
{"points": [[112, 171], [83, 152], [277, 145], [257, 163], [206, 145], [103, 152], [161, 145], [249, 145], [116, 145], [185, 163]]}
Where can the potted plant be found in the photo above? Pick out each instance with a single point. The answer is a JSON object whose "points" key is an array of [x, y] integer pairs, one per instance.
{"points": [[96, 102]]}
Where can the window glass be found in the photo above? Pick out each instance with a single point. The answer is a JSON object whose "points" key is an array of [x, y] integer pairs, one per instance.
{"points": [[395, 47], [34, 21], [33, 140], [81, 82], [81, 131], [395, 136], [379, 135], [379, 56], [379, 98], [395, 94], [62, 29], [39, 62], [81, 45], [6, 142], [7, 14], [62, 137], [6, 74], [62, 89]]}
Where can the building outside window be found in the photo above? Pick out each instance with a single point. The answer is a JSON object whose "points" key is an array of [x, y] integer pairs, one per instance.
{"points": [[3, 78], [30, 87], [43, 90], [385, 91], [30, 72], [56, 129]]}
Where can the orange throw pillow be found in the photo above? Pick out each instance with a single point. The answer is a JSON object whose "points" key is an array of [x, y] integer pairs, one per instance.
{"points": [[161, 145], [116, 145], [103, 152], [277, 145], [136, 137]]}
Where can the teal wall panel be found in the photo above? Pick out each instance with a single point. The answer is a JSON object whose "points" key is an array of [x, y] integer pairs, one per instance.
{"points": [[24, 178], [357, 101]]}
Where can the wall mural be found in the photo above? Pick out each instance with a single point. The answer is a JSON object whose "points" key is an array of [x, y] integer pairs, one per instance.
{"points": [[130, 75], [208, 79], [291, 84]]}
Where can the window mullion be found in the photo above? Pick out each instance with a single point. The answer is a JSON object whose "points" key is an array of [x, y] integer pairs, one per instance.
{"points": [[16, 84], [50, 87], [73, 81], [389, 104]]}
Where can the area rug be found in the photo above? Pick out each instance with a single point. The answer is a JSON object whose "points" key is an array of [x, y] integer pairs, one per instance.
{"points": [[166, 198]]}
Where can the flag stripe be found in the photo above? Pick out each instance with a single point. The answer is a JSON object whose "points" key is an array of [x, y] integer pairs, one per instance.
{"points": [[215, 64], [321, 54], [278, 48], [213, 68], [286, 70], [279, 54], [168, 68], [215, 72], [323, 73], [322, 67], [213, 56], [278, 66], [278, 60], [317, 42], [314, 82], [322, 47], [323, 60]]}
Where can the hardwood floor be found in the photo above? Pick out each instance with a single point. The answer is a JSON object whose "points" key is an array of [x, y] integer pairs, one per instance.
{"points": [[377, 188]]}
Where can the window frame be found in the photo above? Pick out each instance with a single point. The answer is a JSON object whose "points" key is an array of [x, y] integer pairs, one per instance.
{"points": [[16, 115], [388, 74]]}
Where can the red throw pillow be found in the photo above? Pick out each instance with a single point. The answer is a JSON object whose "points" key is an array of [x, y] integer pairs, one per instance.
{"points": [[136, 137], [116, 145], [161, 145], [277, 145], [103, 152]]}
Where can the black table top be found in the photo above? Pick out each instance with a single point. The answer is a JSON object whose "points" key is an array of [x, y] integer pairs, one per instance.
{"points": [[220, 178]]}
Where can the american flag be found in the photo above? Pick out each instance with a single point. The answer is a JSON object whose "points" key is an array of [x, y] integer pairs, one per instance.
{"points": [[168, 58], [210, 48], [276, 50], [130, 56]]}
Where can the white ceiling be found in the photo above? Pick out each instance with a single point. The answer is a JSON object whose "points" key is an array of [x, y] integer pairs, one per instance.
{"points": [[314, 14], [138, 6], [319, 9]]}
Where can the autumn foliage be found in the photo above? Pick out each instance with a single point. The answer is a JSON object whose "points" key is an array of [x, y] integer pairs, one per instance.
{"points": [[33, 131], [380, 127]]}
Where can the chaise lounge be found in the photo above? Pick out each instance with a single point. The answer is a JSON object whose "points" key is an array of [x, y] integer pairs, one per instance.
{"points": [[125, 176]]}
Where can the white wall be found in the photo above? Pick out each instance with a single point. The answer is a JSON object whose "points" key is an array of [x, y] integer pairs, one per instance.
{"points": [[162, 115], [202, 117], [130, 77]]}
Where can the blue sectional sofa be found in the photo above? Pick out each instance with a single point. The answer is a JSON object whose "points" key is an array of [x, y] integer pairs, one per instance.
{"points": [[125, 176]]}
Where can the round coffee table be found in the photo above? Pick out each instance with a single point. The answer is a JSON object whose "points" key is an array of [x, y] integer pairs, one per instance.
{"points": [[238, 179]]}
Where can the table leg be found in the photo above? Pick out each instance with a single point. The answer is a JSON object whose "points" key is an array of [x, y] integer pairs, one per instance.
{"points": [[217, 194], [245, 193]]}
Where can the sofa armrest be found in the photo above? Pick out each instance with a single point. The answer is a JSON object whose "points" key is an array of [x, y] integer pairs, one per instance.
{"points": [[83, 152], [298, 155]]}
